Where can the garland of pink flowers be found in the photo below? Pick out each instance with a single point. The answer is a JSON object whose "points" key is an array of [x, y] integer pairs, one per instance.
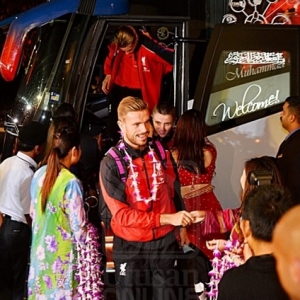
{"points": [[221, 263], [88, 272], [134, 175]]}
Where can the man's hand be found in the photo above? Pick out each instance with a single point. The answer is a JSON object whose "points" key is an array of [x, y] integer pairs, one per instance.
{"points": [[28, 220], [184, 239], [106, 84], [198, 215], [181, 218]]}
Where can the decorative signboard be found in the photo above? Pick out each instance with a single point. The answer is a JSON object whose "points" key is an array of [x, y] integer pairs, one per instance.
{"points": [[263, 12], [246, 82]]}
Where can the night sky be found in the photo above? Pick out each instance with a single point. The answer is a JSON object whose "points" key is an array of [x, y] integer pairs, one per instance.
{"points": [[11, 7]]}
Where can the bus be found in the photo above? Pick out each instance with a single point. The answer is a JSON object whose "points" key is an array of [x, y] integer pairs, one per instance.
{"points": [[54, 53]]}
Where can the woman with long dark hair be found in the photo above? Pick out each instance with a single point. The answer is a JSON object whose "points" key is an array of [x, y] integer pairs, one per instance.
{"points": [[196, 157], [59, 219]]}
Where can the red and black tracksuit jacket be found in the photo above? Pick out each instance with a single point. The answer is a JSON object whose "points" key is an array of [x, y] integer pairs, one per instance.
{"points": [[139, 221]]}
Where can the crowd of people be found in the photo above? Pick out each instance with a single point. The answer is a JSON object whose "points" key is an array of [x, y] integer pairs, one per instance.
{"points": [[157, 183]]}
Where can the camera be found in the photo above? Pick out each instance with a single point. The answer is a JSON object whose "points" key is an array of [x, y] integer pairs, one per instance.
{"points": [[258, 178]]}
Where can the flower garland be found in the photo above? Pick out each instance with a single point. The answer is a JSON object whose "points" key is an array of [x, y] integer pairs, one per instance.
{"points": [[88, 272], [220, 264], [154, 188]]}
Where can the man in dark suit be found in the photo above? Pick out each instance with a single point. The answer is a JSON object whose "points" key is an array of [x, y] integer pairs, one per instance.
{"points": [[288, 156]]}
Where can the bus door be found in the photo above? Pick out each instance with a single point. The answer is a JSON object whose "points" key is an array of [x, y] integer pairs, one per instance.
{"points": [[64, 63], [88, 81]]}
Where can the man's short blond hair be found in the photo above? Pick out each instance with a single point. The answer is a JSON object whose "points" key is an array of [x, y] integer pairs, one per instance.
{"points": [[125, 36], [129, 104]]}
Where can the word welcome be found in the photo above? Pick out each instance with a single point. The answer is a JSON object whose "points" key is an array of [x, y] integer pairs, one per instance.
{"points": [[247, 106]]}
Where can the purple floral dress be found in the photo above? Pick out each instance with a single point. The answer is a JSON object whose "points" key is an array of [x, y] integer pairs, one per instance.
{"points": [[54, 232]]}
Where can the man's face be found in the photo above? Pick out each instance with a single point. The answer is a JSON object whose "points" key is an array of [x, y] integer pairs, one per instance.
{"points": [[162, 124], [284, 117], [136, 128]]}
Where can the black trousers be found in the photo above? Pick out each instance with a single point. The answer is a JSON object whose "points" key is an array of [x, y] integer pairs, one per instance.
{"points": [[15, 239], [146, 270], [115, 96], [193, 268]]}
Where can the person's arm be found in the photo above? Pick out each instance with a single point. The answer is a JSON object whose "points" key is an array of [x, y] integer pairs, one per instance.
{"points": [[166, 54], [24, 192], [181, 218], [108, 65], [28, 220], [73, 204], [178, 201], [106, 84]]}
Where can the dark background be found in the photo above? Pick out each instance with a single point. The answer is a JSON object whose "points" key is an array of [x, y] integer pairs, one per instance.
{"points": [[12, 7]]}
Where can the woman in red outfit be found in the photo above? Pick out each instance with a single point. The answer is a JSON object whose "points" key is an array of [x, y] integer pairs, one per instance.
{"points": [[196, 157]]}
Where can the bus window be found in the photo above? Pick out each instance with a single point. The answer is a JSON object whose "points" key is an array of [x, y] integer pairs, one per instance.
{"points": [[32, 89], [246, 82], [247, 73]]}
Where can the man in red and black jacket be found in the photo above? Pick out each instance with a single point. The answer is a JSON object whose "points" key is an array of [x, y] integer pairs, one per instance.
{"points": [[134, 66], [145, 208]]}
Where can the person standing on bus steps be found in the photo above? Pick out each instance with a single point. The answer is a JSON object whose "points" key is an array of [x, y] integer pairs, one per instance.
{"points": [[288, 155], [145, 208], [134, 66], [16, 173]]}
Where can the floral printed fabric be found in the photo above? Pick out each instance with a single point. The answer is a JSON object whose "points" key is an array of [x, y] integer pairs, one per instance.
{"points": [[54, 234]]}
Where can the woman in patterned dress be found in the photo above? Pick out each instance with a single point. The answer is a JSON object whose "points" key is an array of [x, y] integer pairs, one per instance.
{"points": [[58, 219]]}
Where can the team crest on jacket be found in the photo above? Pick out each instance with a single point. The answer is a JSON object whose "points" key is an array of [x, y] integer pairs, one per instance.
{"points": [[144, 64], [123, 269]]}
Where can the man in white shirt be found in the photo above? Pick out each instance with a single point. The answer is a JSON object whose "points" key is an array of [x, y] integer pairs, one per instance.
{"points": [[15, 232]]}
